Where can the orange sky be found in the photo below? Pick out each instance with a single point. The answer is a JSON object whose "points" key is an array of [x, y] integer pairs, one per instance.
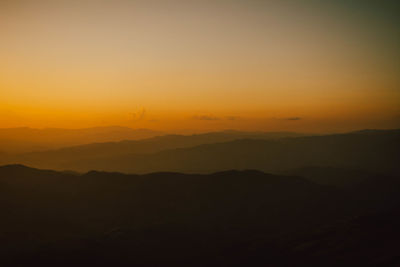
{"points": [[201, 65]]}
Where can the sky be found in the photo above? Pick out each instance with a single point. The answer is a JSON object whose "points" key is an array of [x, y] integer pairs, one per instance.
{"points": [[308, 66]]}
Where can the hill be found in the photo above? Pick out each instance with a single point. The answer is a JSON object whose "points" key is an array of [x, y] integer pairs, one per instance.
{"points": [[172, 219], [372, 151], [24, 139], [52, 158]]}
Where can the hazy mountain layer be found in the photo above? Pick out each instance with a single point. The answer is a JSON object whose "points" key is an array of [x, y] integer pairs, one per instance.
{"points": [[144, 146], [24, 139], [372, 151]]}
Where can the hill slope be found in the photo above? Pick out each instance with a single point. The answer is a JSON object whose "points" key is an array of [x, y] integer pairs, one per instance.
{"points": [[375, 151], [24, 139], [171, 219]]}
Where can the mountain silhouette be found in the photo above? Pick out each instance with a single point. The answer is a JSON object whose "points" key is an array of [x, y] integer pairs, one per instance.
{"points": [[372, 151], [338, 177], [366, 240], [24, 139], [174, 219], [149, 145]]}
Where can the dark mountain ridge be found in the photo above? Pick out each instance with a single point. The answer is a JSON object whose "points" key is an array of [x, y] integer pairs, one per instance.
{"points": [[171, 219]]}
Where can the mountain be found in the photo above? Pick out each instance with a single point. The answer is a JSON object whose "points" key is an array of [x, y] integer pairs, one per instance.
{"points": [[24, 139], [230, 218], [367, 240], [145, 146], [339, 177], [375, 151]]}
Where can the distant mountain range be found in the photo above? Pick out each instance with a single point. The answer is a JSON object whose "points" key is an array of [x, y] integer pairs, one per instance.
{"points": [[227, 218], [24, 139], [372, 151], [115, 148]]}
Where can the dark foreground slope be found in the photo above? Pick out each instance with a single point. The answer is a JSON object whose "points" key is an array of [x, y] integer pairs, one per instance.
{"points": [[376, 151], [367, 240], [241, 218]]}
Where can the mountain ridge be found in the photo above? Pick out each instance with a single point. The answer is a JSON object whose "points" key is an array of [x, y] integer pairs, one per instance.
{"points": [[220, 219]]}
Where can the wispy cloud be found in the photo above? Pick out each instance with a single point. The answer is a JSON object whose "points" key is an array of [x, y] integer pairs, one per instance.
{"points": [[139, 114], [293, 119], [206, 118], [232, 118]]}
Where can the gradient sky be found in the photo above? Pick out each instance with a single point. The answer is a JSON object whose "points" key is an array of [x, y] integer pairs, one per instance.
{"points": [[201, 65]]}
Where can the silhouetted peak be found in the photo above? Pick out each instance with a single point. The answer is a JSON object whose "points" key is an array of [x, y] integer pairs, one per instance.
{"points": [[16, 167], [19, 169], [376, 131], [103, 174], [248, 172], [93, 173]]}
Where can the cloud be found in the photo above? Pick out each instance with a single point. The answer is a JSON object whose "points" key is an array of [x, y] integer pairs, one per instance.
{"points": [[214, 118], [139, 114], [206, 118], [232, 118], [293, 119]]}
